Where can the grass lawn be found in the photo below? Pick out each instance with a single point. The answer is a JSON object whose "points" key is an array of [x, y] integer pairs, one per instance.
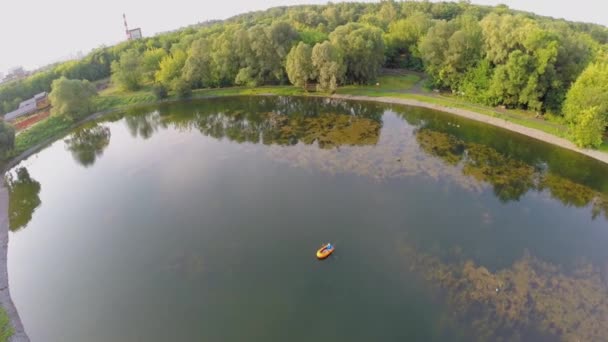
{"points": [[52, 127], [519, 117], [112, 98], [387, 84], [6, 330], [265, 90]]}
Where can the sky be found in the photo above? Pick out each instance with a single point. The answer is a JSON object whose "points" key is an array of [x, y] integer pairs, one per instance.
{"points": [[34, 33]]}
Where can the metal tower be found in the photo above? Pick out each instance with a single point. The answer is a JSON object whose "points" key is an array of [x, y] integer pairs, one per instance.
{"points": [[124, 17]]}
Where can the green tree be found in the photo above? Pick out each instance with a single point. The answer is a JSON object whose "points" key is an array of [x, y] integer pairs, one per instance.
{"points": [[283, 37], [511, 78], [198, 68], [299, 65], [433, 48], [72, 98], [590, 90], [362, 48], [476, 82], [450, 49], [503, 34], [587, 129], [170, 73], [312, 37], [329, 66], [150, 63], [127, 72], [225, 57], [7, 138], [402, 40]]}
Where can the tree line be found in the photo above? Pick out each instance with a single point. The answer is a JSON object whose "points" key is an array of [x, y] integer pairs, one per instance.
{"points": [[489, 55]]}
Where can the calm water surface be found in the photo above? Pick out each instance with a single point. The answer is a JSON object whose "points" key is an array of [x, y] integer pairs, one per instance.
{"points": [[199, 221]]}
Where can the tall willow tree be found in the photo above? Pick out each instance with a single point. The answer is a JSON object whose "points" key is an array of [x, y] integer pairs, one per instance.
{"points": [[362, 48], [299, 65], [328, 62], [72, 98]]}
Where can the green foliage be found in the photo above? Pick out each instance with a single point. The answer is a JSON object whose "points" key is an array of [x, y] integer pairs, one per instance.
{"points": [[254, 46], [588, 127], [299, 65], [312, 37], [95, 66], [197, 69], [127, 72], [450, 49], [589, 90], [170, 72], [328, 62], [362, 48], [6, 330], [44, 131], [71, 98], [402, 40], [114, 101], [7, 138], [150, 63], [476, 82], [511, 78], [586, 105], [503, 34]]}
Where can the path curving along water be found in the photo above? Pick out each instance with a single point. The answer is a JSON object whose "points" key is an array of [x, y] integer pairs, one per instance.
{"points": [[530, 132], [6, 302]]}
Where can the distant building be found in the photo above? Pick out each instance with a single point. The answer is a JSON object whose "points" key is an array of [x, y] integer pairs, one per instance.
{"points": [[39, 101], [134, 34]]}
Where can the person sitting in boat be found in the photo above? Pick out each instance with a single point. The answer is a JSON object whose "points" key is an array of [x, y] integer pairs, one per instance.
{"points": [[329, 246]]}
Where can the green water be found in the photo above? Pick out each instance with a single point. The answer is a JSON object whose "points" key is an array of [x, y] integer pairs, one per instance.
{"points": [[199, 221]]}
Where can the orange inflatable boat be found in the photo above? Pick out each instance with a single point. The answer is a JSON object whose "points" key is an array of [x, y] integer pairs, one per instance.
{"points": [[325, 251]]}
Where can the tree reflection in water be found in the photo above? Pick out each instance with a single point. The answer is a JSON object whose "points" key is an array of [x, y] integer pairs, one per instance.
{"points": [[24, 197], [88, 143], [344, 137], [143, 126], [283, 121], [510, 178]]}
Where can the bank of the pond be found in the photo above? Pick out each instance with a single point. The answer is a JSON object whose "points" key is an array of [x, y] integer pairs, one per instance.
{"points": [[6, 302], [490, 120], [537, 134]]}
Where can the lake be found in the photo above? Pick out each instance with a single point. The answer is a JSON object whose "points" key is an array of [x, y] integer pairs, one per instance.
{"points": [[199, 221]]}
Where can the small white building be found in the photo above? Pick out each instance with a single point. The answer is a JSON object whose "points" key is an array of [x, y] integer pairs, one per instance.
{"points": [[29, 106], [134, 34]]}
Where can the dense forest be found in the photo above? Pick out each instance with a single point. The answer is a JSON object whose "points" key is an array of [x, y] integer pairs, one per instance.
{"points": [[489, 55]]}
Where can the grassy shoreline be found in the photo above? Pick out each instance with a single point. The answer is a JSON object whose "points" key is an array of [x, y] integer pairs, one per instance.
{"points": [[400, 88]]}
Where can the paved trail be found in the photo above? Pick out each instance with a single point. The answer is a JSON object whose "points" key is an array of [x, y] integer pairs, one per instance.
{"points": [[5, 295]]}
